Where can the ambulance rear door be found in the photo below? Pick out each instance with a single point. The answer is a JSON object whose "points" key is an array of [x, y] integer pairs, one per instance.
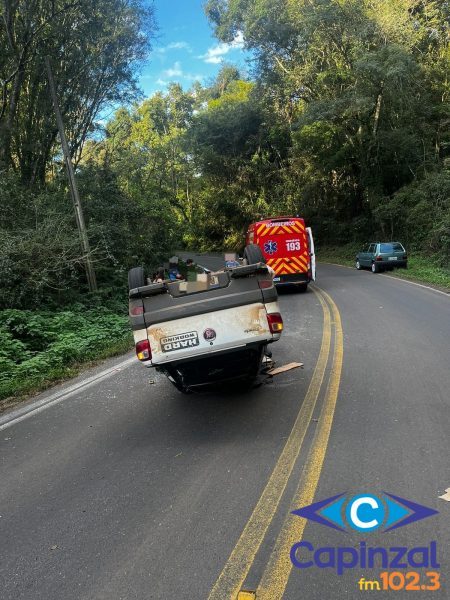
{"points": [[312, 253]]}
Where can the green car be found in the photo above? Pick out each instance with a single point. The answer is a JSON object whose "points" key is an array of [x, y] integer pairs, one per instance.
{"points": [[382, 256]]}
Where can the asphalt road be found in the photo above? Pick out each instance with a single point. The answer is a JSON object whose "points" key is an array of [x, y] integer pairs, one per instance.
{"points": [[115, 486]]}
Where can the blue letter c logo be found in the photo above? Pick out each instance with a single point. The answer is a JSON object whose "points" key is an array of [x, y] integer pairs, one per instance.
{"points": [[365, 513]]}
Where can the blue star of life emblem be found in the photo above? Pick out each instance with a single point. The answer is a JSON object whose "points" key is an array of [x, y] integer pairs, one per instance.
{"points": [[270, 247]]}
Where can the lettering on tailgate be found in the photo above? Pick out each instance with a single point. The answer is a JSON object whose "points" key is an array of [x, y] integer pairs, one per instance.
{"points": [[180, 341]]}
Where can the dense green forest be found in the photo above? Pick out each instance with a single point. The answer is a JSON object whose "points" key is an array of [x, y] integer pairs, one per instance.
{"points": [[344, 118]]}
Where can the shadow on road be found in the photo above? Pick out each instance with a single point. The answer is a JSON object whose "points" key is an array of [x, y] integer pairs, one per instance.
{"points": [[288, 290]]}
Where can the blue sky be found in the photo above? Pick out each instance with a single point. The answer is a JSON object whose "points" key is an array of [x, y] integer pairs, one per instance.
{"points": [[186, 49]]}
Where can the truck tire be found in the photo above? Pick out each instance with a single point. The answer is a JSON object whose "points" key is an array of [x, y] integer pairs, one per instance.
{"points": [[136, 278], [253, 254], [182, 388], [177, 381]]}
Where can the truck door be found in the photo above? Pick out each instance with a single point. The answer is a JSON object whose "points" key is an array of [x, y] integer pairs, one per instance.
{"points": [[312, 253]]}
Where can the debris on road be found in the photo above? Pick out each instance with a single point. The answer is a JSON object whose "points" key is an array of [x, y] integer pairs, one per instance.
{"points": [[284, 368], [446, 496]]}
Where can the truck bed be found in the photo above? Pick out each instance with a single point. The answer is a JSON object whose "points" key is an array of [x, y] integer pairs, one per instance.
{"points": [[189, 320]]}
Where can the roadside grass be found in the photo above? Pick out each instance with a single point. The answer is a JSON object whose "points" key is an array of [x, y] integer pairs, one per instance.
{"points": [[41, 348], [423, 269]]}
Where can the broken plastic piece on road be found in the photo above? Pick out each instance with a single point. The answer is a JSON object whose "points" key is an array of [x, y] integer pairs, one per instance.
{"points": [[284, 368], [446, 496]]}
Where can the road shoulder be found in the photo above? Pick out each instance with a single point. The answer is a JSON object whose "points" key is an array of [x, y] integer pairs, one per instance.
{"points": [[396, 276]]}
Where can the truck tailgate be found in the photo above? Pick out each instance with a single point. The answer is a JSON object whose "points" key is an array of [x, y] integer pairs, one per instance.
{"points": [[212, 332], [177, 322]]}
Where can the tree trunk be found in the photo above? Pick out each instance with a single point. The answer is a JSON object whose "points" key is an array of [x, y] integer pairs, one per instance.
{"points": [[6, 156], [376, 119]]}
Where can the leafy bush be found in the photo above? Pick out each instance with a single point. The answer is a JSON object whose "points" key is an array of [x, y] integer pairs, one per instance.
{"points": [[419, 216], [40, 256], [41, 262], [36, 345]]}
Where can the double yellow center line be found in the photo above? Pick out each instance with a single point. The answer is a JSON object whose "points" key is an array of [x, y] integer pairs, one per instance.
{"points": [[276, 574]]}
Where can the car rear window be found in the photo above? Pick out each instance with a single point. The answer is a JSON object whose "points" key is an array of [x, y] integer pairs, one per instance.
{"points": [[395, 247]]}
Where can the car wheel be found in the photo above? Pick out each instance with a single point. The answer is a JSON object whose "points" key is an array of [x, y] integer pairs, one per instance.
{"points": [[253, 254], [375, 268], [358, 265], [136, 278]]}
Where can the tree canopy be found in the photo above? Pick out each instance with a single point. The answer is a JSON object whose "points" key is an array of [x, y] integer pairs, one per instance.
{"points": [[94, 46], [344, 119]]}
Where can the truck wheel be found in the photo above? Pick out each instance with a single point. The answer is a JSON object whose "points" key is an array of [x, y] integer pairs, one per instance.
{"points": [[182, 388], [253, 254], [136, 278], [176, 379], [302, 288]]}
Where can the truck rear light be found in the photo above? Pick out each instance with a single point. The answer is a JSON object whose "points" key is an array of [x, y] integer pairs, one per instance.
{"points": [[136, 311], [379, 258], [264, 284], [275, 321], [143, 350]]}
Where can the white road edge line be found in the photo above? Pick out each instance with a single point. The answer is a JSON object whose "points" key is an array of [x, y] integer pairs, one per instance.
{"points": [[427, 287], [38, 406]]}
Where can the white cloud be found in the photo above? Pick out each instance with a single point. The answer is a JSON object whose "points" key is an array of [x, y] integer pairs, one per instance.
{"points": [[178, 46], [215, 54], [174, 46], [238, 41], [175, 71], [190, 77]]}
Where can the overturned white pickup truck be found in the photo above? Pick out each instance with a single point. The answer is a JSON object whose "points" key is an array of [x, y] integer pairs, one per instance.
{"points": [[205, 332]]}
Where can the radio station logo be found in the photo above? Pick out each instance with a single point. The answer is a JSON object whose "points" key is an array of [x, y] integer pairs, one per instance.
{"points": [[365, 512]]}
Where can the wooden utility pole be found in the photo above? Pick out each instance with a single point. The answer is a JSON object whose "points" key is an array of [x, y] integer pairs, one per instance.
{"points": [[90, 273]]}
